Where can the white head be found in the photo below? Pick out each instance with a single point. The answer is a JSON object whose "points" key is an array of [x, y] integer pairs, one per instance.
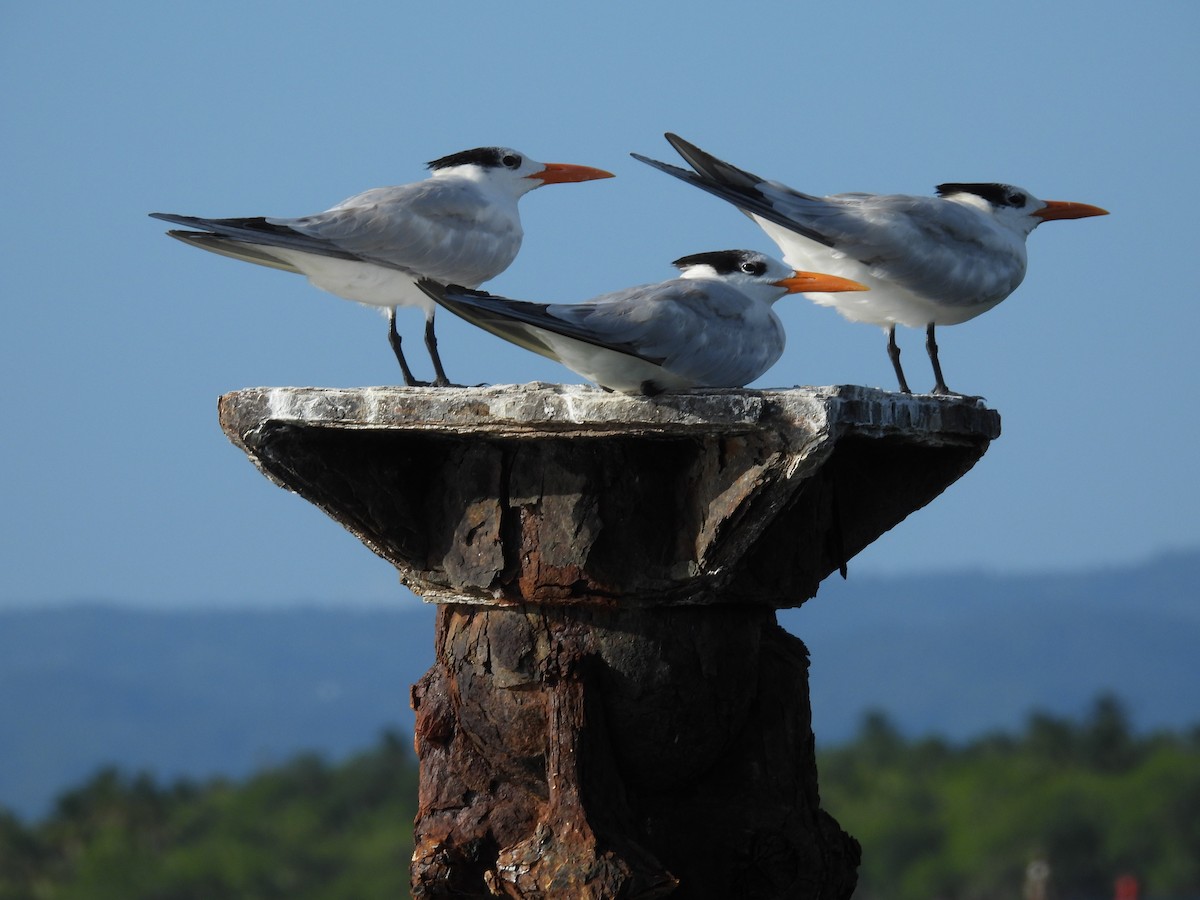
{"points": [[505, 168], [1014, 206], [759, 275]]}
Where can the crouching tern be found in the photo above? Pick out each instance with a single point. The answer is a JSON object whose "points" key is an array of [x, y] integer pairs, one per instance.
{"points": [[928, 261], [713, 326], [459, 225]]}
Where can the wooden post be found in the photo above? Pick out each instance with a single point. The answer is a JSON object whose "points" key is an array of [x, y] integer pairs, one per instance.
{"points": [[613, 711]]}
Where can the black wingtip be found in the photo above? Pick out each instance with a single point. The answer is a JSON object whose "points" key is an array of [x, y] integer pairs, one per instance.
{"points": [[689, 151], [677, 142], [734, 185], [714, 168], [434, 290], [677, 171], [704, 163], [203, 239], [177, 219], [440, 292]]}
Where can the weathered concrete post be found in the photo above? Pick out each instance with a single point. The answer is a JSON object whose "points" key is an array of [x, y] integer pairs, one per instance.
{"points": [[614, 711]]}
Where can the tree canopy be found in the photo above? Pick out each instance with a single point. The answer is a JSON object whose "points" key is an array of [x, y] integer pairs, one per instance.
{"points": [[1087, 800], [1084, 803]]}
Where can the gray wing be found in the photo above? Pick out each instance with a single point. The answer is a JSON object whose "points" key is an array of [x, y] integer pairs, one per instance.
{"points": [[513, 320], [697, 330], [942, 250], [245, 239], [441, 229], [444, 229], [741, 188], [700, 329]]}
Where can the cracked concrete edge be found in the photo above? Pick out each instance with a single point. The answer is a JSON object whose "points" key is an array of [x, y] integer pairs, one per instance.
{"points": [[518, 411]]}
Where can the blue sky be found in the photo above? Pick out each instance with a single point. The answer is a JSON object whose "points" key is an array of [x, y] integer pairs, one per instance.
{"points": [[118, 484]]}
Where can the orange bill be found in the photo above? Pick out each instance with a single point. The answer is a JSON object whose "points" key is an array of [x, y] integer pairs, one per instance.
{"points": [[1062, 209], [563, 173], [815, 282]]}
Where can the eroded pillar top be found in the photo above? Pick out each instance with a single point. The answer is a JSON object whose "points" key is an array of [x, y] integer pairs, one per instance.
{"points": [[568, 494]]}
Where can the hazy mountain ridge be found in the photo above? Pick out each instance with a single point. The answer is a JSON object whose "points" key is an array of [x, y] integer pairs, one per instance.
{"points": [[968, 652], [196, 693], [224, 692]]}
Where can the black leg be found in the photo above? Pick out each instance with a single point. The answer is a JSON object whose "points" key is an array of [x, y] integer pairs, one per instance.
{"points": [[394, 340], [894, 355], [440, 378], [931, 348]]}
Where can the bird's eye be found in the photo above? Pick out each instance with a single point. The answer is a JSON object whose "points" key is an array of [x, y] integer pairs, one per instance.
{"points": [[1016, 199], [753, 268], [511, 161]]}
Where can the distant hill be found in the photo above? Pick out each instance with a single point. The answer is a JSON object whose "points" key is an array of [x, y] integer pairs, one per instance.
{"points": [[199, 694], [961, 654]]}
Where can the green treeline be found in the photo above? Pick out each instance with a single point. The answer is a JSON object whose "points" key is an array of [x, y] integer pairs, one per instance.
{"points": [[304, 830], [937, 821], [1088, 799]]}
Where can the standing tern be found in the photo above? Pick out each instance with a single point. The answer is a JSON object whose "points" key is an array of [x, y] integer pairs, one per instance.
{"points": [[459, 225], [928, 261], [713, 326]]}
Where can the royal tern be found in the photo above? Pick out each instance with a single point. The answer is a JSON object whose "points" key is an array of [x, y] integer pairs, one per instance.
{"points": [[460, 225], [928, 261], [713, 326]]}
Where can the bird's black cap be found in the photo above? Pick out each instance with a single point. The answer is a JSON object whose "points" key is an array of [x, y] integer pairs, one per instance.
{"points": [[995, 194], [487, 157], [723, 262]]}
